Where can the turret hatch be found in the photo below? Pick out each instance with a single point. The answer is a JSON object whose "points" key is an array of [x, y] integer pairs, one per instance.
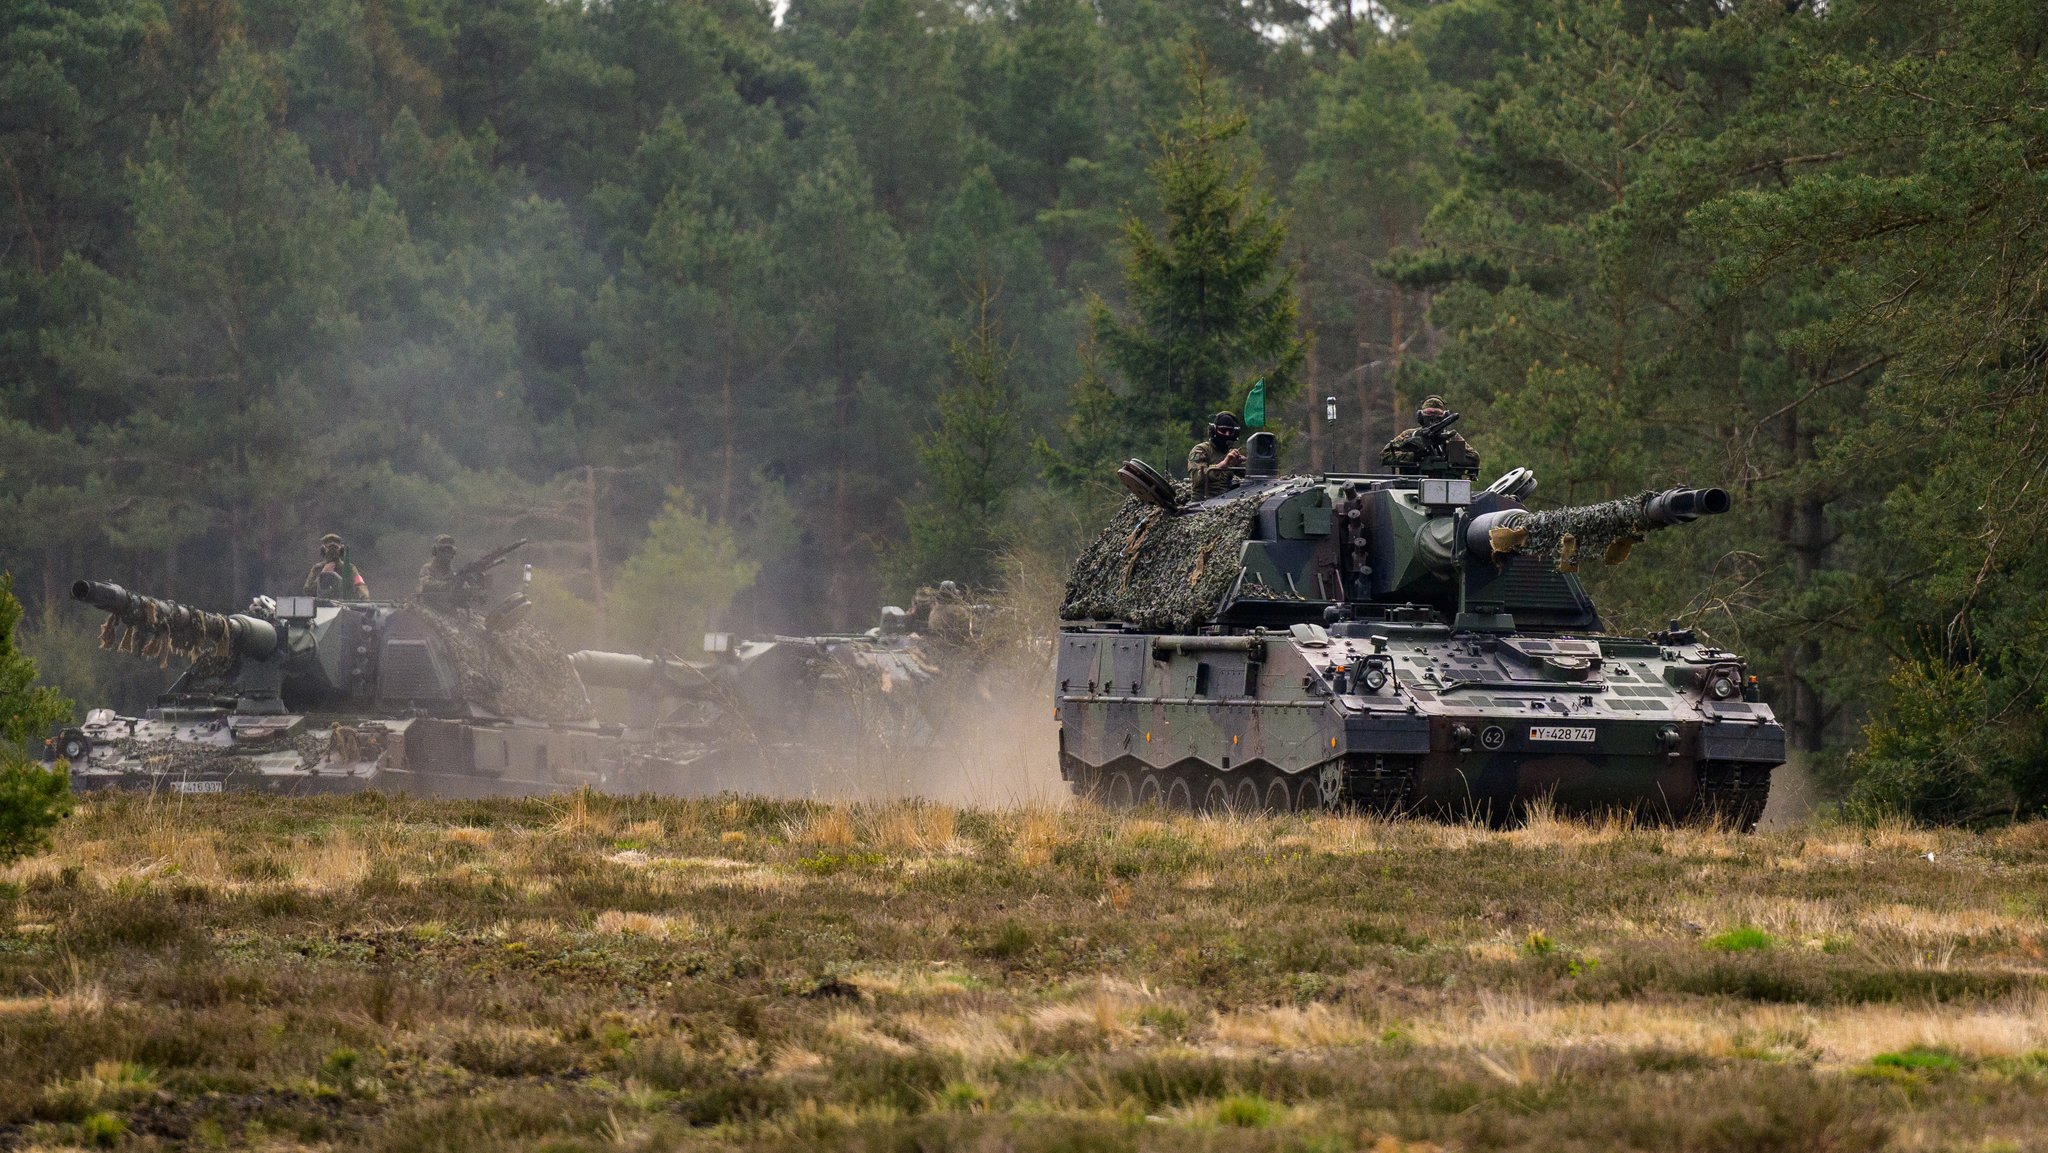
{"points": [[1556, 659]]}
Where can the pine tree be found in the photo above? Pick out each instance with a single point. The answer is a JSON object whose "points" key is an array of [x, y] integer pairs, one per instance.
{"points": [[1211, 303], [973, 457], [680, 582], [32, 799]]}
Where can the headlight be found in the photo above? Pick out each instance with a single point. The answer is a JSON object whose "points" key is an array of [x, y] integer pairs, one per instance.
{"points": [[1724, 684], [1375, 678]]}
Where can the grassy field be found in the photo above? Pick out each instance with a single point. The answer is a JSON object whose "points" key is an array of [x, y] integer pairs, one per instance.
{"points": [[589, 973]]}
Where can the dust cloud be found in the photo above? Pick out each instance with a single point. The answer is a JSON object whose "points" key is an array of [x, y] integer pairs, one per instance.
{"points": [[982, 731], [1793, 797], [996, 745]]}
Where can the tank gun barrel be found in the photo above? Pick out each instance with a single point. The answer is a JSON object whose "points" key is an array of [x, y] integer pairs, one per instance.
{"points": [[157, 627], [1610, 527], [606, 670], [1684, 505]]}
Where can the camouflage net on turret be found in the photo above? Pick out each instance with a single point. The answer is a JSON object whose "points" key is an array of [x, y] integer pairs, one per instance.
{"points": [[1570, 536], [515, 672], [1162, 573]]}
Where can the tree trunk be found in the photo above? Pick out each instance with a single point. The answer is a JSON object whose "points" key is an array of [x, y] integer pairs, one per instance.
{"points": [[52, 584], [1314, 370], [590, 540], [1362, 378], [238, 560], [728, 417], [1395, 326], [1802, 530]]}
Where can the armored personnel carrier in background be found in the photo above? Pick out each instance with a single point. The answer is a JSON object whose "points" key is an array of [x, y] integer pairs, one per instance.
{"points": [[1392, 643], [313, 695]]}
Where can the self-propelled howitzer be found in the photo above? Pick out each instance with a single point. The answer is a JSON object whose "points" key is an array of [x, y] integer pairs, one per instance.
{"points": [[314, 695], [768, 714], [1394, 643]]}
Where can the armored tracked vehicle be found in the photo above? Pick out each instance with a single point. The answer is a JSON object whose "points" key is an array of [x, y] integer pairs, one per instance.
{"points": [[313, 695], [1393, 643], [307, 694], [770, 714]]}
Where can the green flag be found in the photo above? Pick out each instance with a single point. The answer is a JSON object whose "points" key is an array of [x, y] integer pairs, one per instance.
{"points": [[1255, 406]]}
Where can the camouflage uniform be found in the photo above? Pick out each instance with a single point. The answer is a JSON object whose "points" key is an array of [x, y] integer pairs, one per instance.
{"points": [[1207, 472], [950, 620], [353, 587], [438, 586], [1408, 451], [919, 618]]}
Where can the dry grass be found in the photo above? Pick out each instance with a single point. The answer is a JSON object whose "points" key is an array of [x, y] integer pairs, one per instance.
{"points": [[593, 973]]}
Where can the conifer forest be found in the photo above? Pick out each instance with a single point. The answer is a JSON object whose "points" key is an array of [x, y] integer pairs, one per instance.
{"points": [[760, 316]]}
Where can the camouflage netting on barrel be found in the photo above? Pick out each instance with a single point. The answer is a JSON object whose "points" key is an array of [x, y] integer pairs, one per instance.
{"points": [[160, 630], [515, 672], [1162, 573], [1567, 535]]}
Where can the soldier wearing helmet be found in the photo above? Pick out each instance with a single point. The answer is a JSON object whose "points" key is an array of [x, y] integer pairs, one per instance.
{"points": [[333, 577], [950, 620], [1215, 464], [438, 578], [1418, 450]]}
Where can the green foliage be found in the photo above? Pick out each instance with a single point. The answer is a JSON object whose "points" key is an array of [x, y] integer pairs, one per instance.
{"points": [[28, 711], [1919, 1058], [32, 800], [1246, 1111], [974, 458], [103, 1129], [679, 583], [1212, 304], [1742, 939], [1934, 755]]}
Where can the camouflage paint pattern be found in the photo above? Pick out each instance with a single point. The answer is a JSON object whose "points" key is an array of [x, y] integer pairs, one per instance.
{"points": [[1366, 652]]}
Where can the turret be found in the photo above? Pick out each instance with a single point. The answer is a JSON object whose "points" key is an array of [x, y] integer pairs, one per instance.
{"points": [[1282, 551], [373, 658]]}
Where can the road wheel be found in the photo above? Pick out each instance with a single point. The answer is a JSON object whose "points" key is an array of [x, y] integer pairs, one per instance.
{"points": [[1117, 793], [1308, 793], [1279, 798], [1248, 798], [1216, 795], [1151, 791], [1178, 796]]}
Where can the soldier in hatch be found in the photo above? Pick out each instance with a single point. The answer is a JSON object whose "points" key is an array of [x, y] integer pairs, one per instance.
{"points": [[919, 618], [1414, 450], [333, 576], [438, 586], [1210, 462], [950, 620]]}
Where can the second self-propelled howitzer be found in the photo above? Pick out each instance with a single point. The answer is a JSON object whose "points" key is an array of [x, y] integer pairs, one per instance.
{"points": [[1393, 642], [312, 695]]}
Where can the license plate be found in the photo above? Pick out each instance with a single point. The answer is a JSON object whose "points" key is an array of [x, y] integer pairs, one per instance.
{"points": [[1559, 733], [195, 786]]}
